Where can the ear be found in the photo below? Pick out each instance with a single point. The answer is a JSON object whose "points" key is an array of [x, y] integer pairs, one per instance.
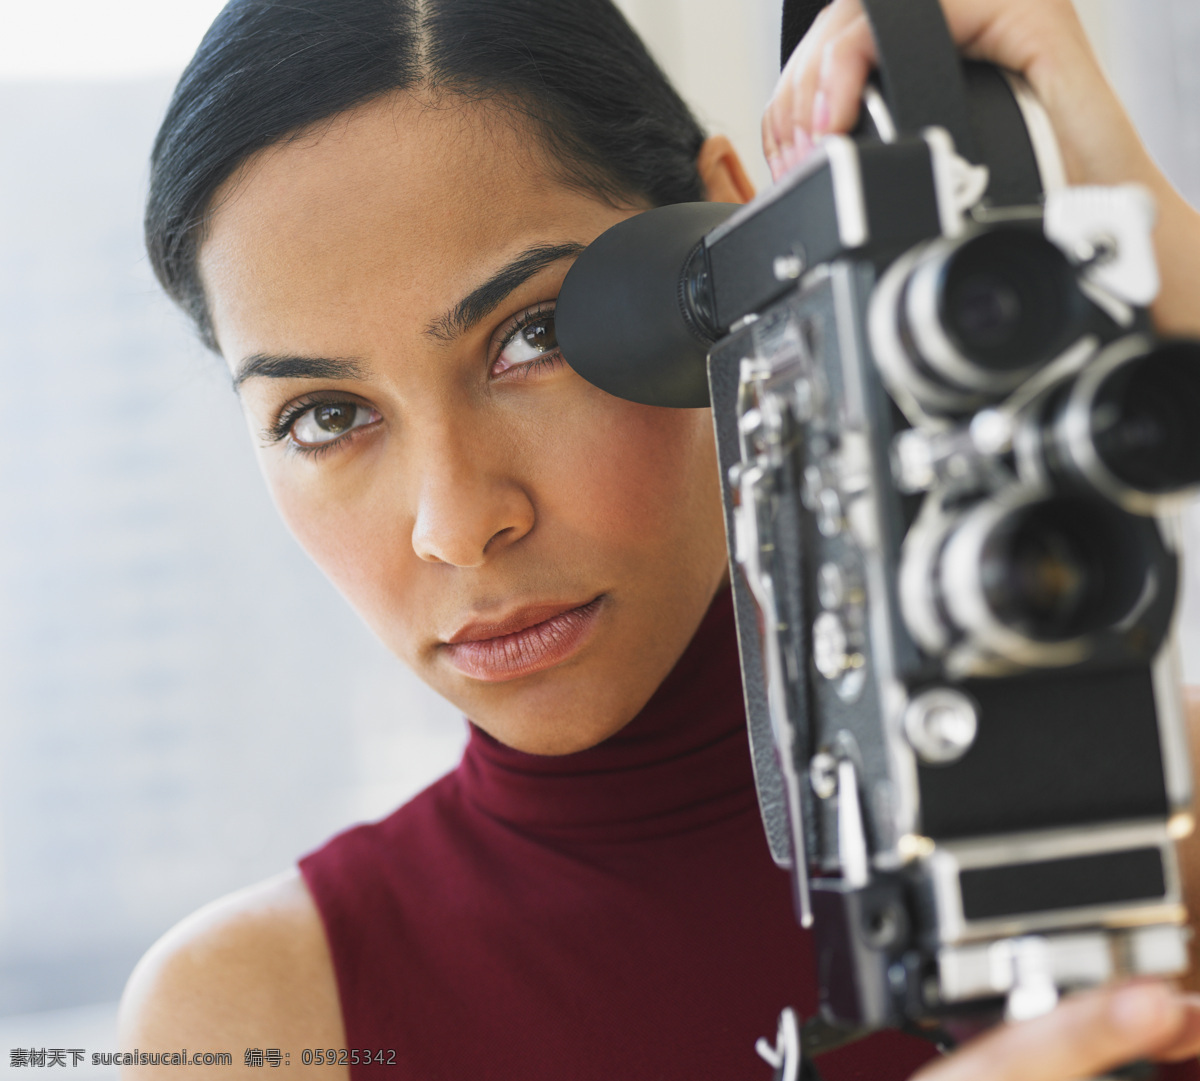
{"points": [[721, 170]]}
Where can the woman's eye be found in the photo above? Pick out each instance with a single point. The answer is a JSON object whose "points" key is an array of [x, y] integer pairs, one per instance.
{"points": [[328, 421], [534, 341]]}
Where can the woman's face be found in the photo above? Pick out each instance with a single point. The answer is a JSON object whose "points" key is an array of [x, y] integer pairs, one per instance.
{"points": [[536, 550]]}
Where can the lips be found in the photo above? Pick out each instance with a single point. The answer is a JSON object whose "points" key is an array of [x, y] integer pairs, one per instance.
{"points": [[530, 640]]}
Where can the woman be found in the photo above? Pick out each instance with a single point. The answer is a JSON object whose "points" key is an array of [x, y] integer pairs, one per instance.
{"points": [[368, 207]]}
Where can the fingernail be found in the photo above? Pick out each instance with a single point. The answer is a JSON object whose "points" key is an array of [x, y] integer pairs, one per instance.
{"points": [[820, 123], [775, 164], [1144, 1006], [802, 143]]}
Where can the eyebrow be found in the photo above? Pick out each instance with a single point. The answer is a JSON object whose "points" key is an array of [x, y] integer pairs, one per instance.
{"points": [[480, 302], [264, 365], [485, 298]]}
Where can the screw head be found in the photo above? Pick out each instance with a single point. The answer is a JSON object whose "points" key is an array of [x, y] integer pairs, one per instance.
{"points": [[831, 653], [822, 775], [829, 512], [831, 587], [787, 267]]}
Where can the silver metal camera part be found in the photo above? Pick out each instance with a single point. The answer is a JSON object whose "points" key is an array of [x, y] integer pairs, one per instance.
{"points": [[941, 724]]}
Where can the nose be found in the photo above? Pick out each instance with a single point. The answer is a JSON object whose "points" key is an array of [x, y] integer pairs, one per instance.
{"points": [[467, 511]]}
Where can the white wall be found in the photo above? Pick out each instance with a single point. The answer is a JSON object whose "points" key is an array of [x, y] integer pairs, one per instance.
{"points": [[1151, 49], [722, 56]]}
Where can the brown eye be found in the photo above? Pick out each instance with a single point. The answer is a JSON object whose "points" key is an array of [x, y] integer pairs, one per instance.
{"points": [[324, 423], [532, 342], [335, 419], [540, 335]]}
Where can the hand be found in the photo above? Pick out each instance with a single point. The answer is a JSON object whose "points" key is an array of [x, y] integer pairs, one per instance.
{"points": [[1085, 1036], [821, 87], [1044, 40]]}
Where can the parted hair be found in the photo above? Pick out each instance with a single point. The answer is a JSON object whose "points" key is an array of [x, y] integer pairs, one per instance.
{"points": [[575, 70]]}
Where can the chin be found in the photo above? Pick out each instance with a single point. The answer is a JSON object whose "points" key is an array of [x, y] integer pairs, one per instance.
{"points": [[556, 739], [553, 732], [549, 719]]}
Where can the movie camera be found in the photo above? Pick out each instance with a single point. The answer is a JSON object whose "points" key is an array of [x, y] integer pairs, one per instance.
{"points": [[952, 447]]}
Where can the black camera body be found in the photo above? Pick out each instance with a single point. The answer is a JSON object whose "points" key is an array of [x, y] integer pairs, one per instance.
{"points": [[981, 738], [952, 448]]}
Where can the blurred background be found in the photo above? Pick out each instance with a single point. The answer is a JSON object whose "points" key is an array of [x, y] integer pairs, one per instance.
{"points": [[186, 705]]}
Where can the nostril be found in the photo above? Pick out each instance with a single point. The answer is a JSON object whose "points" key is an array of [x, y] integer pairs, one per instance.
{"points": [[497, 536]]}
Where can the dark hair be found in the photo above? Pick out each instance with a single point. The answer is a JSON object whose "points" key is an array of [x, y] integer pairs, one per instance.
{"points": [[268, 69]]}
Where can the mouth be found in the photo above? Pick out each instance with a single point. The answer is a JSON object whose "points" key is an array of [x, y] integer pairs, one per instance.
{"points": [[530, 640]]}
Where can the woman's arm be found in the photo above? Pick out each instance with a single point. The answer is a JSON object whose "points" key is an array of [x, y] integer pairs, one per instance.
{"points": [[249, 971], [1044, 40]]}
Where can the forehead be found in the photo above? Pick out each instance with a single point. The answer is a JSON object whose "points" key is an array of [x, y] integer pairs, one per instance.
{"points": [[400, 201]]}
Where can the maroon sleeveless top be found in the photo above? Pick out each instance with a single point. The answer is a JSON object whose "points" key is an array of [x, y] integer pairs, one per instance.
{"points": [[611, 914]]}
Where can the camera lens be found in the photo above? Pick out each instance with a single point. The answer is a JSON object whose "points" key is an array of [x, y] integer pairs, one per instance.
{"points": [[1125, 426], [1144, 419], [1059, 569], [959, 322], [986, 310], [1006, 299], [1031, 580]]}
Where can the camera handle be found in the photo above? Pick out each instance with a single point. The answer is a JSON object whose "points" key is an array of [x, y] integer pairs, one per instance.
{"points": [[922, 72]]}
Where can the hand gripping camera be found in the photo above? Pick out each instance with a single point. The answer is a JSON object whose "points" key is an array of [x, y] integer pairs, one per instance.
{"points": [[951, 447]]}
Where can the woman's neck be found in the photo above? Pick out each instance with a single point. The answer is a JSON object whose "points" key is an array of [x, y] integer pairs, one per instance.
{"points": [[681, 762]]}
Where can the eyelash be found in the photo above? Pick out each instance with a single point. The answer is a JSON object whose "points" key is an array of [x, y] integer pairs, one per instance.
{"points": [[505, 335], [281, 428]]}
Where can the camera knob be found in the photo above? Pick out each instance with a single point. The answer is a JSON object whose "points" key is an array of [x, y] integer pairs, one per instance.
{"points": [[941, 725]]}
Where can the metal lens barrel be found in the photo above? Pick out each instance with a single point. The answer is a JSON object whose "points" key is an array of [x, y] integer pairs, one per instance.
{"points": [[1030, 579], [970, 318], [1127, 426], [1003, 299], [1062, 568]]}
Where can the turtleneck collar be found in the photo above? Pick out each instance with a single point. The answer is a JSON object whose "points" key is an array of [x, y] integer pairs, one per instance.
{"points": [[683, 762]]}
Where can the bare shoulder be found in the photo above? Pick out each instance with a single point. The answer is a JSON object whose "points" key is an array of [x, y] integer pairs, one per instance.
{"points": [[251, 970]]}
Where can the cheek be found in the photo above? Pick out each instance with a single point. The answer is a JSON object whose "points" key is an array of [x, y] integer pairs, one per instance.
{"points": [[347, 530], [636, 478]]}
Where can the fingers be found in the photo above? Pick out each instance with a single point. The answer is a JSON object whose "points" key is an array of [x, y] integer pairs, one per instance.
{"points": [[820, 89], [821, 86], [788, 119], [1085, 1036], [1187, 1042], [847, 61]]}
